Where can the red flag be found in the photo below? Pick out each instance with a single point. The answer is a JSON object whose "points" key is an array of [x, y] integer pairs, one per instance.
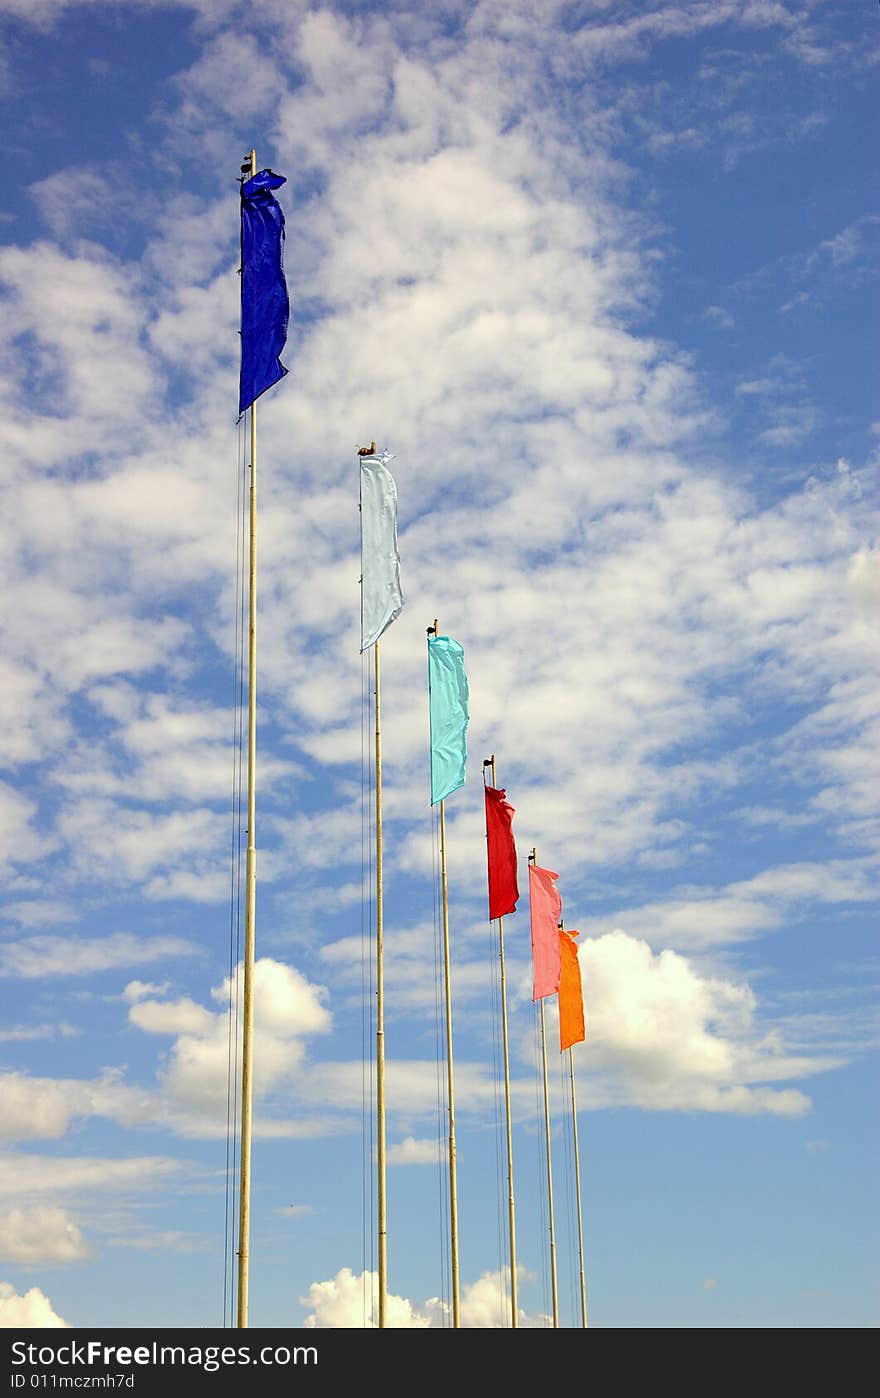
{"points": [[571, 998], [545, 907], [503, 891]]}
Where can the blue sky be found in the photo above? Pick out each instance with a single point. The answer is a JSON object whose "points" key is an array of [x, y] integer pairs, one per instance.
{"points": [[602, 277]]}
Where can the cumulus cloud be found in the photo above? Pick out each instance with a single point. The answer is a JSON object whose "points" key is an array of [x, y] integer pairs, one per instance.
{"points": [[44, 1200], [43, 1233], [287, 1010], [662, 1031], [410, 1151], [31, 1310], [190, 1092], [349, 1302], [663, 1036]]}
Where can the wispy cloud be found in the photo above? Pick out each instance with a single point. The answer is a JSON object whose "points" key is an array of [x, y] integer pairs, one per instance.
{"points": [[38, 957]]}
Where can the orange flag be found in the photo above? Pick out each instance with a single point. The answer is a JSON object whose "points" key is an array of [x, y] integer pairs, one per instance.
{"points": [[571, 999]]}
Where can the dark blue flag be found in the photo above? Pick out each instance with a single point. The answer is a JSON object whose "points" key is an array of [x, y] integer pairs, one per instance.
{"points": [[265, 306]]}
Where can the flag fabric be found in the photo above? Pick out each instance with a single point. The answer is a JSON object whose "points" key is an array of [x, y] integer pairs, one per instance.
{"points": [[501, 851], [571, 998], [449, 713], [265, 306], [381, 597], [545, 909]]}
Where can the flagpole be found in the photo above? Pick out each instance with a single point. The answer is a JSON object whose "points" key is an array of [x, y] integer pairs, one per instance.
{"points": [[453, 1190], [549, 1174], [244, 1223], [380, 1019], [379, 504], [453, 1193], [577, 1176], [510, 1204], [534, 859]]}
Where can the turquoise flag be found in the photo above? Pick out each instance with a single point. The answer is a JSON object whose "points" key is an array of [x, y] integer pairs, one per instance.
{"points": [[448, 702]]}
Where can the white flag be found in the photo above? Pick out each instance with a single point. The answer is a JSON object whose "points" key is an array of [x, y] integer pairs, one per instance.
{"points": [[381, 597]]}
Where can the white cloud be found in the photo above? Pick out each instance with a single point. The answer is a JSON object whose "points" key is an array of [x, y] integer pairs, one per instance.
{"points": [[17, 833], [22, 1033], [661, 1035], [717, 315], [33, 1109], [107, 385], [171, 1017], [287, 1010], [83, 201], [86, 1177], [347, 1301], [42, 1233], [410, 1151], [36, 1108], [470, 280], [350, 1302], [126, 845], [37, 912], [191, 1087], [698, 918], [142, 990], [32, 1310], [661, 1032], [864, 581], [503, 333], [664, 1037], [37, 957]]}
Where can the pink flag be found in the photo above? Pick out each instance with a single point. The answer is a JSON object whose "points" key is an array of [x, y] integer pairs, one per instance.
{"points": [[545, 907]]}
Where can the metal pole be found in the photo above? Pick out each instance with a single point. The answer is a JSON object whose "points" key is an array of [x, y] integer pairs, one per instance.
{"points": [[511, 1213], [450, 1082], [577, 1176], [453, 1191], [380, 1020], [549, 1176], [534, 859], [247, 1066]]}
